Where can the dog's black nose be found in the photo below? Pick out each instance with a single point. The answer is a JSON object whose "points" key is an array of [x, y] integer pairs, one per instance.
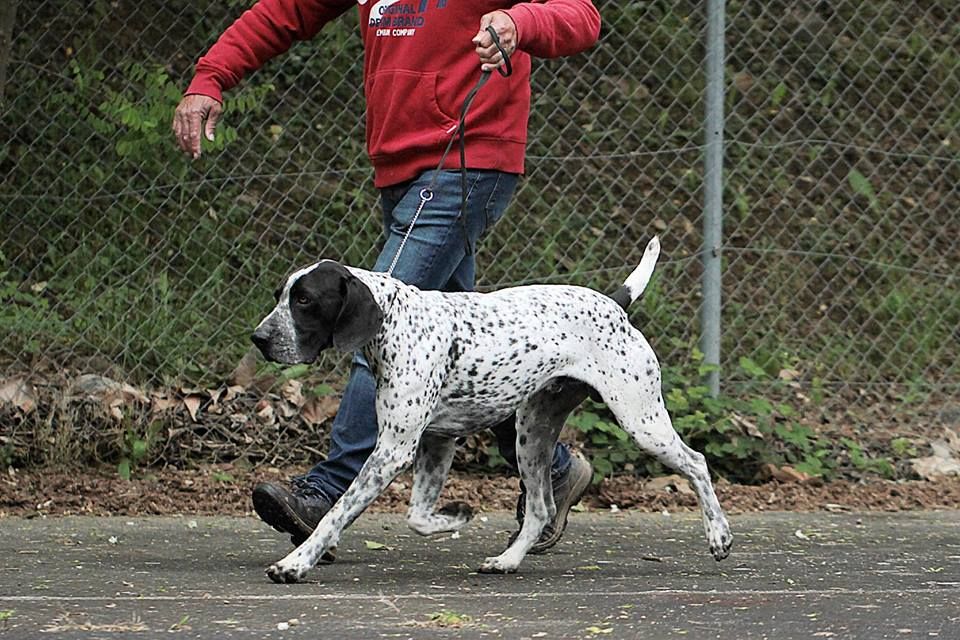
{"points": [[260, 340]]}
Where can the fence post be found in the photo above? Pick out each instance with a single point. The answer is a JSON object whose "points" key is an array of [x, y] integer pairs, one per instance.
{"points": [[713, 192]]}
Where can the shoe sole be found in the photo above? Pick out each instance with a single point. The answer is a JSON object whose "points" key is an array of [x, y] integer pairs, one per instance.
{"points": [[274, 510], [579, 488]]}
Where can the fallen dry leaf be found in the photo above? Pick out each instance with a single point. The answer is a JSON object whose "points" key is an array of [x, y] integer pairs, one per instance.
{"points": [[785, 474], [935, 466], [232, 392], [98, 387], [292, 392], [160, 403], [19, 393], [286, 409], [318, 410], [265, 412], [748, 426], [192, 403]]}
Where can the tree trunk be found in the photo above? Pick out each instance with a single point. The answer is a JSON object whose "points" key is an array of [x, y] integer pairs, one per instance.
{"points": [[8, 13]]}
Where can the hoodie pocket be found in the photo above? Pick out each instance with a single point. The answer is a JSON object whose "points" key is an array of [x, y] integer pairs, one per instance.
{"points": [[403, 114]]}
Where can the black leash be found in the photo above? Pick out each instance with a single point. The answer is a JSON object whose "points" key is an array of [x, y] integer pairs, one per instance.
{"points": [[426, 195]]}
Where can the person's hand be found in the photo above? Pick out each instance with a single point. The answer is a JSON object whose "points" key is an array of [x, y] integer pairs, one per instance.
{"points": [[502, 23], [193, 112]]}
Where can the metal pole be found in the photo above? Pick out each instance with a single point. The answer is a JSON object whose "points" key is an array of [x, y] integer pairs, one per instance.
{"points": [[713, 193]]}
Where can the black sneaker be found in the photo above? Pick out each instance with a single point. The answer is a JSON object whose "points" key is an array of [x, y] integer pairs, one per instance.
{"points": [[295, 512], [567, 492]]}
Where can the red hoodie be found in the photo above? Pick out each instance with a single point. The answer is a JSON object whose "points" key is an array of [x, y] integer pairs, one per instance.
{"points": [[419, 65]]}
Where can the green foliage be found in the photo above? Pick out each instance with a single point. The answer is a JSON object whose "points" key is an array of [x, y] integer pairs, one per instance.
{"points": [[738, 435], [862, 186], [494, 459], [322, 390], [864, 462], [903, 447], [447, 618], [22, 312], [777, 95], [154, 297], [610, 447], [222, 476], [136, 447], [7, 455]]}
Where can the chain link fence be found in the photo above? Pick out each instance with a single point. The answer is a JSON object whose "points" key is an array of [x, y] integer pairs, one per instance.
{"points": [[121, 258]]}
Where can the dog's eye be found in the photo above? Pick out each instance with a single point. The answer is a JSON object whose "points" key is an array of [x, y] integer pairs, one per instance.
{"points": [[302, 300]]}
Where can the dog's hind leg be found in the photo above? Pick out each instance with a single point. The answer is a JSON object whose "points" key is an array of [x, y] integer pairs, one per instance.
{"points": [[430, 469], [665, 444], [539, 421], [640, 411]]}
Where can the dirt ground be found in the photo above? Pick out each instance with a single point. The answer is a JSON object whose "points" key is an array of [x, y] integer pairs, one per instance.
{"points": [[225, 490]]}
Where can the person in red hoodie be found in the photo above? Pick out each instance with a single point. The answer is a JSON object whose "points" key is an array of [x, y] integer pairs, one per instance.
{"points": [[421, 59]]}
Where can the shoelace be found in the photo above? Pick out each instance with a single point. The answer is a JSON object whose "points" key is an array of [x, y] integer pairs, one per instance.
{"points": [[303, 488]]}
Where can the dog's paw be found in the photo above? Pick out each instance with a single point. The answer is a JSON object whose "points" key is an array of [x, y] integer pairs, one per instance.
{"points": [[720, 543], [458, 511], [496, 565], [282, 573]]}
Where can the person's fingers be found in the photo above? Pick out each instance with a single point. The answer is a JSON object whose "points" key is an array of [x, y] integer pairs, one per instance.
{"points": [[213, 116], [194, 122], [177, 127], [490, 63], [183, 132], [483, 39], [181, 126], [485, 21], [487, 52], [196, 115]]}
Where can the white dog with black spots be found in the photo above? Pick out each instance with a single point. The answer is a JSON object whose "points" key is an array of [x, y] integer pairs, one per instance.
{"points": [[451, 364]]}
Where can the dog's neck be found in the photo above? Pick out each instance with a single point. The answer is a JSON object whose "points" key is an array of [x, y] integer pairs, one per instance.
{"points": [[384, 288]]}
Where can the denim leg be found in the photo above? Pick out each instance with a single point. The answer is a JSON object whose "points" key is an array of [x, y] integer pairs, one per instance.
{"points": [[352, 435], [434, 256]]}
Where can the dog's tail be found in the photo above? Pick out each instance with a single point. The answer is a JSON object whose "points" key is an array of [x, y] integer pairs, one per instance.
{"points": [[634, 285]]}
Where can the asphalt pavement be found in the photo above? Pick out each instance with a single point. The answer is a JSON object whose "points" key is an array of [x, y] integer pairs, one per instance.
{"points": [[622, 575]]}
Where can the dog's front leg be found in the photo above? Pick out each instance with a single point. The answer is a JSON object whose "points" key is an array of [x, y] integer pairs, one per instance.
{"points": [[404, 407], [384, 464]]}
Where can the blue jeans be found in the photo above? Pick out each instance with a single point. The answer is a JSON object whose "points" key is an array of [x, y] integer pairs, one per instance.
{"points": [[434, 257]]}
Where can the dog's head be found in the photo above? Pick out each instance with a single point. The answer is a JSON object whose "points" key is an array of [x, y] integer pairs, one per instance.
{"points": [[318, 307]]}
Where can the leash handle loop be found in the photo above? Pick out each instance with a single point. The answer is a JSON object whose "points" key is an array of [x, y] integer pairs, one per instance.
{"points": [[507, 67]]}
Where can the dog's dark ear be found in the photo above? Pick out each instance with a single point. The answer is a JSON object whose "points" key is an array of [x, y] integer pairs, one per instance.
{"points": [[360, 316]]}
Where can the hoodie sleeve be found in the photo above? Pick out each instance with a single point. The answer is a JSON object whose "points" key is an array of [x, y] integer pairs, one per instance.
{"points": [[554, 28], [266, 30]]}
